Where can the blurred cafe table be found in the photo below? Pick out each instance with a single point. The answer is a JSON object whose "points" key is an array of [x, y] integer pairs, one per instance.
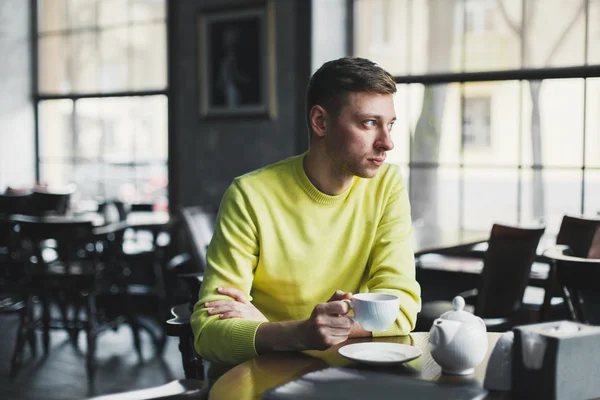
{"points": [[251, 379], [150, 220], [429, 239]]}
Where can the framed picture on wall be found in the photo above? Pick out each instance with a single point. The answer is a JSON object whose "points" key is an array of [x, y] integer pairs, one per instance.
{"points": [[237, 61]]}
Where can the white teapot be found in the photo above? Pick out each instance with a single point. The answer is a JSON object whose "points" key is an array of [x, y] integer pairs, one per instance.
{"points": [[458, 340]]}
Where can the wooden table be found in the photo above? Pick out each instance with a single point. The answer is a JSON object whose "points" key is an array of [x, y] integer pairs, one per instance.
{"points": [[252, 378]]}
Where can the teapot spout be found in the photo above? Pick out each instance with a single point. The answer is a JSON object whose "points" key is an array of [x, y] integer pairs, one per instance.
{"points": [[444, 331]]}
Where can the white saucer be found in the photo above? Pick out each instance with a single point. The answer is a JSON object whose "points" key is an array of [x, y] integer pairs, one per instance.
{"points": [[380, 353]]}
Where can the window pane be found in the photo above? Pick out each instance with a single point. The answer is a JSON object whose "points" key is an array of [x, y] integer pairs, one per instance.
{"points": [[558, 134], [84, 62], [148, 49], [114, 59], [436, 32], [88, 178], [434, 197], [82, 13], [128, 129], [557, 193], [592, 140], [90, 129], [492, 35], [148, 119], [381, 33], [435, 123], [400, 132], [111, 12], [56, 129], [490, 196], [56, 174], [52, 15], [119, 132], [53, 64], [146, 10], [592, 192], [151, 183], [555, 33], [119, 182], [491, 123], [594, 33]]}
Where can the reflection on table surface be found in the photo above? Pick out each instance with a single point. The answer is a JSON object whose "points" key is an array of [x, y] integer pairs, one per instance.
{"points": [[252, 378]]}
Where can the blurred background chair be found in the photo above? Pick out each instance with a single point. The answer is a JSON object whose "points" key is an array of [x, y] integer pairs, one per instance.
{"points": [[578, 233], [78, 281], [54, 202], [579, 279], [12, 298], [14, 203], [199, 224], [506, 268]]}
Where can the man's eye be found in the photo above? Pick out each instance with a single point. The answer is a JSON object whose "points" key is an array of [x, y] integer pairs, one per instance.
{"points": [[390, 126], [370, 123]]}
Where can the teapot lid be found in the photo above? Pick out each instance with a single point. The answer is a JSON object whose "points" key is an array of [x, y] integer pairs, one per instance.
{"points": [[458, 313]]}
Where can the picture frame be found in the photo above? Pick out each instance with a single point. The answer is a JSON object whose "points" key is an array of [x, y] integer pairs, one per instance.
{"points": [[237, 61]]}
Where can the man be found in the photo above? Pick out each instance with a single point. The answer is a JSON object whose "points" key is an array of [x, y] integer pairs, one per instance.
{"points": [[335, 219]]}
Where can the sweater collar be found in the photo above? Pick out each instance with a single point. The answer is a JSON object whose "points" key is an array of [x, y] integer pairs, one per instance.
{"points": [[310, 189]]}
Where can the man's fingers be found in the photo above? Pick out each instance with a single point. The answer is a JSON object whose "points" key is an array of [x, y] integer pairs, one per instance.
{"points": [[237, 294], [231, 314], [337, 295], [224, 308], [335, 307], [218, 303], [340, 295], [329, 321]]}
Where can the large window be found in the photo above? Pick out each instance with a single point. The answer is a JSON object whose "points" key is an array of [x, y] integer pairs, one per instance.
{"points": [[102, 98], [498, 107]]}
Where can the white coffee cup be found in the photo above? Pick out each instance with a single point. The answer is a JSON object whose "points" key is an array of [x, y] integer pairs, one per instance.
{"points": [[375, 312]]}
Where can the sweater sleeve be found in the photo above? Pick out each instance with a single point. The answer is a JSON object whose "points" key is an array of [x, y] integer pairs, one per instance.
{"points": [[231, 259], [391, 260]]}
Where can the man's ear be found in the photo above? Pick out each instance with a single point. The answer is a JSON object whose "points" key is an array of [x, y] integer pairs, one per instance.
{"points": [[317, 120]]}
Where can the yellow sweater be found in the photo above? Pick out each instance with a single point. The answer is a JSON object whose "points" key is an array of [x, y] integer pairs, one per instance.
{"points": [[289, 247]]}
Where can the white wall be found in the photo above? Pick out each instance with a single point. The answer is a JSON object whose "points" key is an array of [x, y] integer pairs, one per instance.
{"points": [[17, 145], [329, 31]]}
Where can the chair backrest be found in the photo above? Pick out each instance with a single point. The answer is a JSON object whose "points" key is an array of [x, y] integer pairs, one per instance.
{"points": [[15, 203], [577, 233], [507, 263], [200, 226], [71, 235], [42, 203], [581, 279]]}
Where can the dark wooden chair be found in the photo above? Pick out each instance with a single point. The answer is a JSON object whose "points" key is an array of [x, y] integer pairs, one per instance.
{"points": [[12, 300], [199, 227], [14, 203], [81, 277], [50, 202], [577, 233], [142, 256], [579, 279], [506, 267]]}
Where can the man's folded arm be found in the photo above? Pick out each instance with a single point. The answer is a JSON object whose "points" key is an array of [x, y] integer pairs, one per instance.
{"points": [[231, 259]]}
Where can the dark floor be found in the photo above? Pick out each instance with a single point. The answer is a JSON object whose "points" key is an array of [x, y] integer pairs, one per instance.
{"points": [[62, 374]]}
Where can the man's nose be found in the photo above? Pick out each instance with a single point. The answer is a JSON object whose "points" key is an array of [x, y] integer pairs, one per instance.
{"points": [[384, 141]]}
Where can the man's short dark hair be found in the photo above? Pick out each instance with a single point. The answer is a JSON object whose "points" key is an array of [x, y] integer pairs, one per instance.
{"points": [[331, 84]]}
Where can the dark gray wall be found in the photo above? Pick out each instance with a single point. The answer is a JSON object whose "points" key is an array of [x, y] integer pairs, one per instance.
{"points": [[17, 144], [205, 155]]}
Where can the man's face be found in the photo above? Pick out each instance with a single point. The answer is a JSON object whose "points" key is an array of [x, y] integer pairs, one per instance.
{"points": [[358, 138]]}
